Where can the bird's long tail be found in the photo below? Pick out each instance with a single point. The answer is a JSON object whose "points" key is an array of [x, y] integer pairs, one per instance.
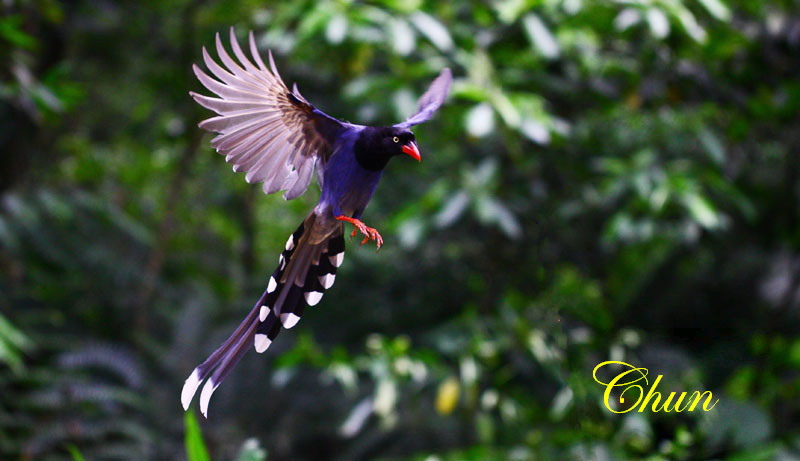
{"points": [[306, 268]]}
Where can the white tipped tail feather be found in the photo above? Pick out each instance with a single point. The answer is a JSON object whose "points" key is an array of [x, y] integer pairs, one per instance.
{"points": [[205, 396], [262, 343], [189, 388], [304, 272]]}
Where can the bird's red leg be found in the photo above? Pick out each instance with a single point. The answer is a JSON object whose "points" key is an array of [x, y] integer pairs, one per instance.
{"points": [[369, 232]]}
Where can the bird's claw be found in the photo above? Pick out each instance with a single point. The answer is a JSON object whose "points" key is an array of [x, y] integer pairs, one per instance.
{"points": [[370, 233]]}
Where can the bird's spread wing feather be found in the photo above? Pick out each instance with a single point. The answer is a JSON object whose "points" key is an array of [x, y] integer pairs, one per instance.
{"points": [[273, 134], [431, 100]]}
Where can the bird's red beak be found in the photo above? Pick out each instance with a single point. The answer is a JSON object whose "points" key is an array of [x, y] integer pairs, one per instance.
{"points": [[412, 151]]}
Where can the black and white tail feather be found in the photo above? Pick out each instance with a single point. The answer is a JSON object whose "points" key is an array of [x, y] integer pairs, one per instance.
{"points": [[305, 270]]}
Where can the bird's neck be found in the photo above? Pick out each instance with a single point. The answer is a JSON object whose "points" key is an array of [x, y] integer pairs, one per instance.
{"points": [[368, 152]]}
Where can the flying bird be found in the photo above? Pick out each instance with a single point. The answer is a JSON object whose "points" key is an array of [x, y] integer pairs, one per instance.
{"points": [[279, 139]]}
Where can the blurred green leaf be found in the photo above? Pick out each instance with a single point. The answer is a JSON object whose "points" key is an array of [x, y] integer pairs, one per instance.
{"points": [[336, 30], [401, 36], [75, 453], [713, 146], [433, 29], [702, 210], [658, 22], [13, 343], [251, 451], [717, 8], [11, 31], [540, 36], [193, 439], [480, 120]]}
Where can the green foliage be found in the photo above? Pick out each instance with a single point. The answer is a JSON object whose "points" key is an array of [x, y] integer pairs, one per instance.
{"points": [[608, 181], [195, 446], [75, 453], [12, 345]]}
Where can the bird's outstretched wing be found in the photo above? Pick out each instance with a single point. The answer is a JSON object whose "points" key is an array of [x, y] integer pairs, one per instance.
{"points": [[431, 100], [271, 133]]}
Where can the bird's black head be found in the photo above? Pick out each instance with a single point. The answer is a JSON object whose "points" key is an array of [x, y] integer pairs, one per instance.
{"points": [[376, 145]]}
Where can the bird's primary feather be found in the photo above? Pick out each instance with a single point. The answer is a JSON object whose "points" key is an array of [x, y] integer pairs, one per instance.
{"points": [[278, 138], [430, 101], [265, 130]]}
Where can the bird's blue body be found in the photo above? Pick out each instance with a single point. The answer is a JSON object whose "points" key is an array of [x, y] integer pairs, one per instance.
{"points": [[348, 187]]}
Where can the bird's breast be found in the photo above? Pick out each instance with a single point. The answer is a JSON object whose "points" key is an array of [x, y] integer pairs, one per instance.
{"points": [[348, 186]]}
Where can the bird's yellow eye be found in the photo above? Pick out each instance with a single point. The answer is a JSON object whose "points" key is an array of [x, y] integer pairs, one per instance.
{"points": [[396, 139]]}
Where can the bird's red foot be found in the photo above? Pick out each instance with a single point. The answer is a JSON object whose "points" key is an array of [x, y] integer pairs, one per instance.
{"points": [[370, 232]]}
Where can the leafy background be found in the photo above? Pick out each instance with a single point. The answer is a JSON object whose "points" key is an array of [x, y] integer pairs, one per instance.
{"points": [[611, 180]]}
